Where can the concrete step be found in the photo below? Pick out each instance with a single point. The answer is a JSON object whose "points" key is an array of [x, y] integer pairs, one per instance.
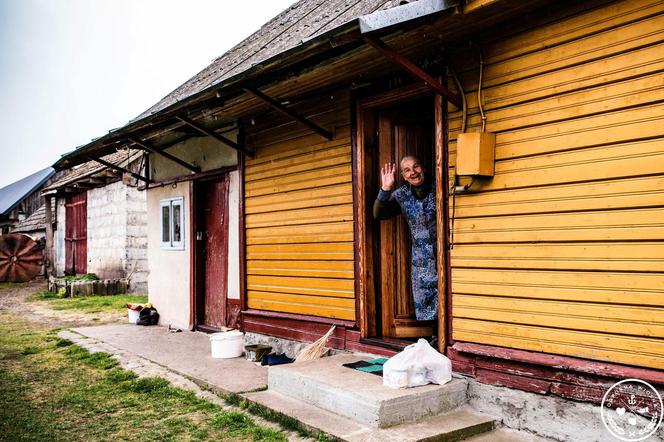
{"points": [[326, 384], [508, 435], [456, 425]]}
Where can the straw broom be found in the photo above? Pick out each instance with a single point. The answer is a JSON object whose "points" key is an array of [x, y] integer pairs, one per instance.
{"points": [[316, 349]]}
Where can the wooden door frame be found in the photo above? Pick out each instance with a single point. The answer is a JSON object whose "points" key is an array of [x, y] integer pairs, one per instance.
{"points": [[364, 260], [197, 264]]}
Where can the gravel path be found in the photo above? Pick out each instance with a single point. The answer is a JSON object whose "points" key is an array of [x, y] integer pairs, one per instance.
{"points": [[18, 300]]}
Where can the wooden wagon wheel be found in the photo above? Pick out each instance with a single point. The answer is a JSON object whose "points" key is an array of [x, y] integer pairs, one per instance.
{"points": [[21, 258]]}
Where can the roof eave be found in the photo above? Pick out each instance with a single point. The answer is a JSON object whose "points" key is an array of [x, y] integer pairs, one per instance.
{"points": [[79, 155], [380, 23]]}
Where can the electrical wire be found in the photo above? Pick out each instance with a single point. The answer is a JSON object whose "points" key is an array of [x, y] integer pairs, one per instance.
{"points": [[464, 119], [464, 107], [463, 129], [453, 213], [479, 87]]}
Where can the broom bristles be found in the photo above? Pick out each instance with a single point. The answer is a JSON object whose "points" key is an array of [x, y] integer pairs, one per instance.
{"points": [[316, 349]]}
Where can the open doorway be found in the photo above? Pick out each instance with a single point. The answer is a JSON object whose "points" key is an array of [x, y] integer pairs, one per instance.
{"points": [[390, 126]]}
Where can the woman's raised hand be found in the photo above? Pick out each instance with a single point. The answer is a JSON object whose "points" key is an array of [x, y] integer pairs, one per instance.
{"points": [[388, 175]]}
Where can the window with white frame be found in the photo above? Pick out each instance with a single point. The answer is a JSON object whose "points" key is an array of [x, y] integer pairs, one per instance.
{"points": [[172, 223]]}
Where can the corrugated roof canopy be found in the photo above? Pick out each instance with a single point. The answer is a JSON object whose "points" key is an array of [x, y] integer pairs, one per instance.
{"points": [[13, 194]]}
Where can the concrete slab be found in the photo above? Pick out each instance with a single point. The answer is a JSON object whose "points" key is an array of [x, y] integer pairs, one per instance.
{"points": [[508, 435], [360, 396], [453, 426], [313, 418], [186, 353]]}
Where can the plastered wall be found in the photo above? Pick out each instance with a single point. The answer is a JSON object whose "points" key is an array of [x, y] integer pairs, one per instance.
{"points": [[59, 238], [205, 152], [233, 236], [169, 279]]}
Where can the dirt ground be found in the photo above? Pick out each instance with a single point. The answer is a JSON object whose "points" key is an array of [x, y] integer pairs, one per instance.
{"points": [[18, 300]]}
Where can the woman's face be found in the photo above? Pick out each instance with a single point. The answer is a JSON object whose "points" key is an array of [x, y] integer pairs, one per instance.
{"points": [[412, 171]]}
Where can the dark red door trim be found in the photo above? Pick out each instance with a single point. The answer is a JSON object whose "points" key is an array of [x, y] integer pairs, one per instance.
{"points": [[193, 258]]}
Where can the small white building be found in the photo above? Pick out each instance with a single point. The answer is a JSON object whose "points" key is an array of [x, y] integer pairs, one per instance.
{"points": [[193, 234], [98, 223]]}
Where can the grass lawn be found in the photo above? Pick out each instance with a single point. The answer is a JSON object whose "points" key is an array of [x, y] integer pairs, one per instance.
{"points": [[92, 304], [10, 285], [53, 390]]}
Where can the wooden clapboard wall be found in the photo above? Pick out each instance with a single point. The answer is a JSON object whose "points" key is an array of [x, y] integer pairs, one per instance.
{"points": [[562, 251], [299, 214]]}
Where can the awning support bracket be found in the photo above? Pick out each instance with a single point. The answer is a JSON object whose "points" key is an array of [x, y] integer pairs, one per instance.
{"points": [[413, 69], [121, 169], [209, 132], [292, 114], [166, 155]]}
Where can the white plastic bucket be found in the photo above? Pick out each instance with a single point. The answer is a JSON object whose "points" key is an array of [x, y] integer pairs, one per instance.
{"points": [[132, 316], [227, 345]]}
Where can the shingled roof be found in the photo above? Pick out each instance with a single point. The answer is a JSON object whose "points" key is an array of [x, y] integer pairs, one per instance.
{"points": [[309, 35], [121, 158], [303, 21], [35, 222]]}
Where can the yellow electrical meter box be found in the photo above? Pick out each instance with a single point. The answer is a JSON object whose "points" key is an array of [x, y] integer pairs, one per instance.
{"points": [[475, 153]]}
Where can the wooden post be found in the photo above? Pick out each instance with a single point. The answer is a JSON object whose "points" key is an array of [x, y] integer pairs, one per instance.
{"points": [[48, 217], [441, 184]]}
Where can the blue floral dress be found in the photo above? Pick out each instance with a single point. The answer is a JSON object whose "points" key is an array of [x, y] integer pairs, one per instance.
{"points": [[421, 217]]}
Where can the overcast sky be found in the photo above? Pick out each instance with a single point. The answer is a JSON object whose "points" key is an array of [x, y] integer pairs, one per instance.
{"points": [[70, 70]]}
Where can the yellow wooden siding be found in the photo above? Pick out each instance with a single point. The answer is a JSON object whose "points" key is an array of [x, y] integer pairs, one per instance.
{"points": [[561, 252], [299, 224]]}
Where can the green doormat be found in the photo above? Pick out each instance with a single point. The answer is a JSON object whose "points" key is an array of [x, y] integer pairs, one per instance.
{"points": [[374, 366]]}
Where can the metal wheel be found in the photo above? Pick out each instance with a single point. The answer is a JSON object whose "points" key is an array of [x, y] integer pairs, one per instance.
{"points": [[21, 258]]}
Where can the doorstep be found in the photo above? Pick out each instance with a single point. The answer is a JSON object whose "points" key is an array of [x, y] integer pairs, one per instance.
{"points": [[456, 425], [360, 396]]}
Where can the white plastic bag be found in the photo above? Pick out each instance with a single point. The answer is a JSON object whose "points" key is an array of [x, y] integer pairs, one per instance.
{"points": [[418, 364]]}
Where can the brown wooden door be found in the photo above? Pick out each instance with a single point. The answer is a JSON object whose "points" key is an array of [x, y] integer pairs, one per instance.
{"points": [[76, 234], [401, 132], [212, 245]]}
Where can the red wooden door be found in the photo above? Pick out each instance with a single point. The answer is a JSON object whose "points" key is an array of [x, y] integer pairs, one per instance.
{"points": [[76, 234], [213, 252]]}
